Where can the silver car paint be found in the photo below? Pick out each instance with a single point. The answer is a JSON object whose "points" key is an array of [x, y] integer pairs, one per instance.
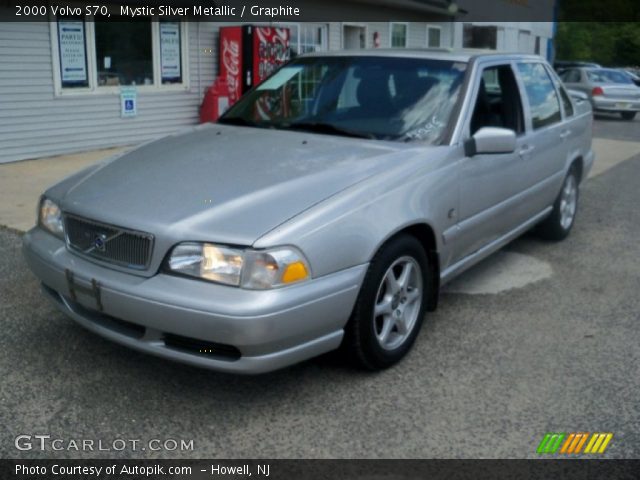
{"points": [[433, 181], [336, 199], [235, 182]]}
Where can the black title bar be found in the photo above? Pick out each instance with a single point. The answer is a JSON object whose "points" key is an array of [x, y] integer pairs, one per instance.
{"points": [[238, 11], [320, 469]]}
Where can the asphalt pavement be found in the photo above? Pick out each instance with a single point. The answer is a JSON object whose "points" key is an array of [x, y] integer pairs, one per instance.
{"points": [[492, 371]]}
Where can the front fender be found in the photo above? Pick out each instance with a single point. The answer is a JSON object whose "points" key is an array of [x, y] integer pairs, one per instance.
{"points": [[349, 228]]}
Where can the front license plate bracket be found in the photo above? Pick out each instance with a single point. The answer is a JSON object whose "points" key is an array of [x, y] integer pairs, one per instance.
{"points": [[75, 288]]}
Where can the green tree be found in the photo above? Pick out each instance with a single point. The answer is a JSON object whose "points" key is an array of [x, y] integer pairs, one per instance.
{"points": [[607, 43]]}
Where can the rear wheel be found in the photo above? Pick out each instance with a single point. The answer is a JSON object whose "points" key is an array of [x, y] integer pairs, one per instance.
{"points": [[558, 225], [391, 305], [628, 115]]}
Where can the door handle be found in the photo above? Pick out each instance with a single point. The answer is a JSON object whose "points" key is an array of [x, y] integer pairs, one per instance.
{"points": [[565, 134], [525, 150]]}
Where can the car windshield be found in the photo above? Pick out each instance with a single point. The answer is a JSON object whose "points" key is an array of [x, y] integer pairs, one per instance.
{"points": [[608, 76], [384, 98]]}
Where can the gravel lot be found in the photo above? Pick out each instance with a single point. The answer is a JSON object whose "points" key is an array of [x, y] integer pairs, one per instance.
{"points": [[489, 374]]}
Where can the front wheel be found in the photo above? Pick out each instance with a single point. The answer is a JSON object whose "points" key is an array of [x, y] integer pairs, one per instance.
{"points": [[628, 115], [390, 308], [557, 226]]}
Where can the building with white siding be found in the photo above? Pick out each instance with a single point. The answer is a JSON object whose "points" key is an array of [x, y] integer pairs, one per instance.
{"points": [[45, 111]]}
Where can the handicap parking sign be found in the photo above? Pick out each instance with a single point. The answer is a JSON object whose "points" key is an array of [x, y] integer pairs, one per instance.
{"points": [[128, 102]]}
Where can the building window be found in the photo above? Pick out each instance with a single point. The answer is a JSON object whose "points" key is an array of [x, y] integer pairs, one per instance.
{"points": [[399, 33], [313, 38], [480, 37], [124, 54], [434, 36], [306, 38], [144, 53]]}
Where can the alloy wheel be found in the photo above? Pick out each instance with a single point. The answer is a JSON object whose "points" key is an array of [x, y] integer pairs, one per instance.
{"points": [[398, 302]]}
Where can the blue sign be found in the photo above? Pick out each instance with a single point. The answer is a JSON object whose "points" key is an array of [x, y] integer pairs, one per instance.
{"points": [[128, 102]]}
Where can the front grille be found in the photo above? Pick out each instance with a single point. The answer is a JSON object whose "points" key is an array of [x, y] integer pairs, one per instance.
{"points": [[108, 243]]}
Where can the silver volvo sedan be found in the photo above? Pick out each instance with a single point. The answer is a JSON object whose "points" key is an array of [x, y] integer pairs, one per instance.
{"points": [[325, 209]]}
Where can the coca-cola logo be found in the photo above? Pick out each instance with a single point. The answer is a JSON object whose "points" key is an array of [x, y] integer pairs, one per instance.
{"points": [[231, 62], [273, 43], [231, 56]]}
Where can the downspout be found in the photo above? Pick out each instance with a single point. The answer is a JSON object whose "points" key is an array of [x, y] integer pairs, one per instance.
{"points": [[199, 61], [551, 50]]}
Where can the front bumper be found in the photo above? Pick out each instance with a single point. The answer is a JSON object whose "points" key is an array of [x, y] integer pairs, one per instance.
{"points": [[603, 104], [267, 330]]}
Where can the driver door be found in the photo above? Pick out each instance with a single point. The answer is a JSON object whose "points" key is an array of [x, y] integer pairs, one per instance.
{"points": [[490, 183]]}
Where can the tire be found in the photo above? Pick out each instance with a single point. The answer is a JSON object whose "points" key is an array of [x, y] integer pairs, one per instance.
{"points": [[557, 226], [378, 342], [628, 115]]}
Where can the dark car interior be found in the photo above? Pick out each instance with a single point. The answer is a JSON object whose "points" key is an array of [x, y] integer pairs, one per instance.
{"points": [[498, 102]]}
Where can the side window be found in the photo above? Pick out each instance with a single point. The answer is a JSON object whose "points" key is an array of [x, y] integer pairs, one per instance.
{"points": [[498, 102], [574, 77], [571, 76], [564, 96], [543, 99], [577, 76], [566, 101]]}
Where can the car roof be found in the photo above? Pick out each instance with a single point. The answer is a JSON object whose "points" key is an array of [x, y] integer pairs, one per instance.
{"points": [[455, 55], [571, 63], [603, 69]]}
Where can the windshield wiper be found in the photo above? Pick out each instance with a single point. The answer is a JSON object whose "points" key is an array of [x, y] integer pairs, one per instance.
{"points": [[320, 127]]}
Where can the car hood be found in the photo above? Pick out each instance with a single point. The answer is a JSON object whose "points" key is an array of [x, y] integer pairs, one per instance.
{"points": [[222, 183]]}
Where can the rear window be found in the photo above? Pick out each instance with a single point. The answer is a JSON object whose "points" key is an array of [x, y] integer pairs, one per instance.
{"points": [[608, 76]]}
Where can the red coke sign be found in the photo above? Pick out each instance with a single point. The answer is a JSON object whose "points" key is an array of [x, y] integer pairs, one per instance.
{"points": [[249, 54]]}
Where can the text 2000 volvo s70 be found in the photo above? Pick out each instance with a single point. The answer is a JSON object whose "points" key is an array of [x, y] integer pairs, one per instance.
{"points": [[324, 209]]}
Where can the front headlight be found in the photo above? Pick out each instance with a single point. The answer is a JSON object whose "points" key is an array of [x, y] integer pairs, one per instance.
{"points": [[50, 217], [251, 269]]}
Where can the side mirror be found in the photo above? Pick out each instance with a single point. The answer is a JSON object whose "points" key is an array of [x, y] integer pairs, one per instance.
{"points": [[578, 95], [491, 140]]}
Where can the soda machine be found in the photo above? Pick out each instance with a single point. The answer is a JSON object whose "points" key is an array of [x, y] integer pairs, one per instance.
{"points": [[249, 54]]}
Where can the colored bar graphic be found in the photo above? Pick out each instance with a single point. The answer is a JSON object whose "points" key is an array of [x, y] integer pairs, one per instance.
{"points": [[604, 445], [543, 444], [581, 443], [591, 443], [557, 440], [598, 443], [567, 443], [574, 442], [550, 443]]}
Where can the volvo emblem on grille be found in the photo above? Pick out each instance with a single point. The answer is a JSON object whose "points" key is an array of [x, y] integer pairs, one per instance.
{"points": [[100, 242]]}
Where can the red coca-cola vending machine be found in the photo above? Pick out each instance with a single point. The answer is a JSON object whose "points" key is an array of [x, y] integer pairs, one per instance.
{"points": [[249, 54]]}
